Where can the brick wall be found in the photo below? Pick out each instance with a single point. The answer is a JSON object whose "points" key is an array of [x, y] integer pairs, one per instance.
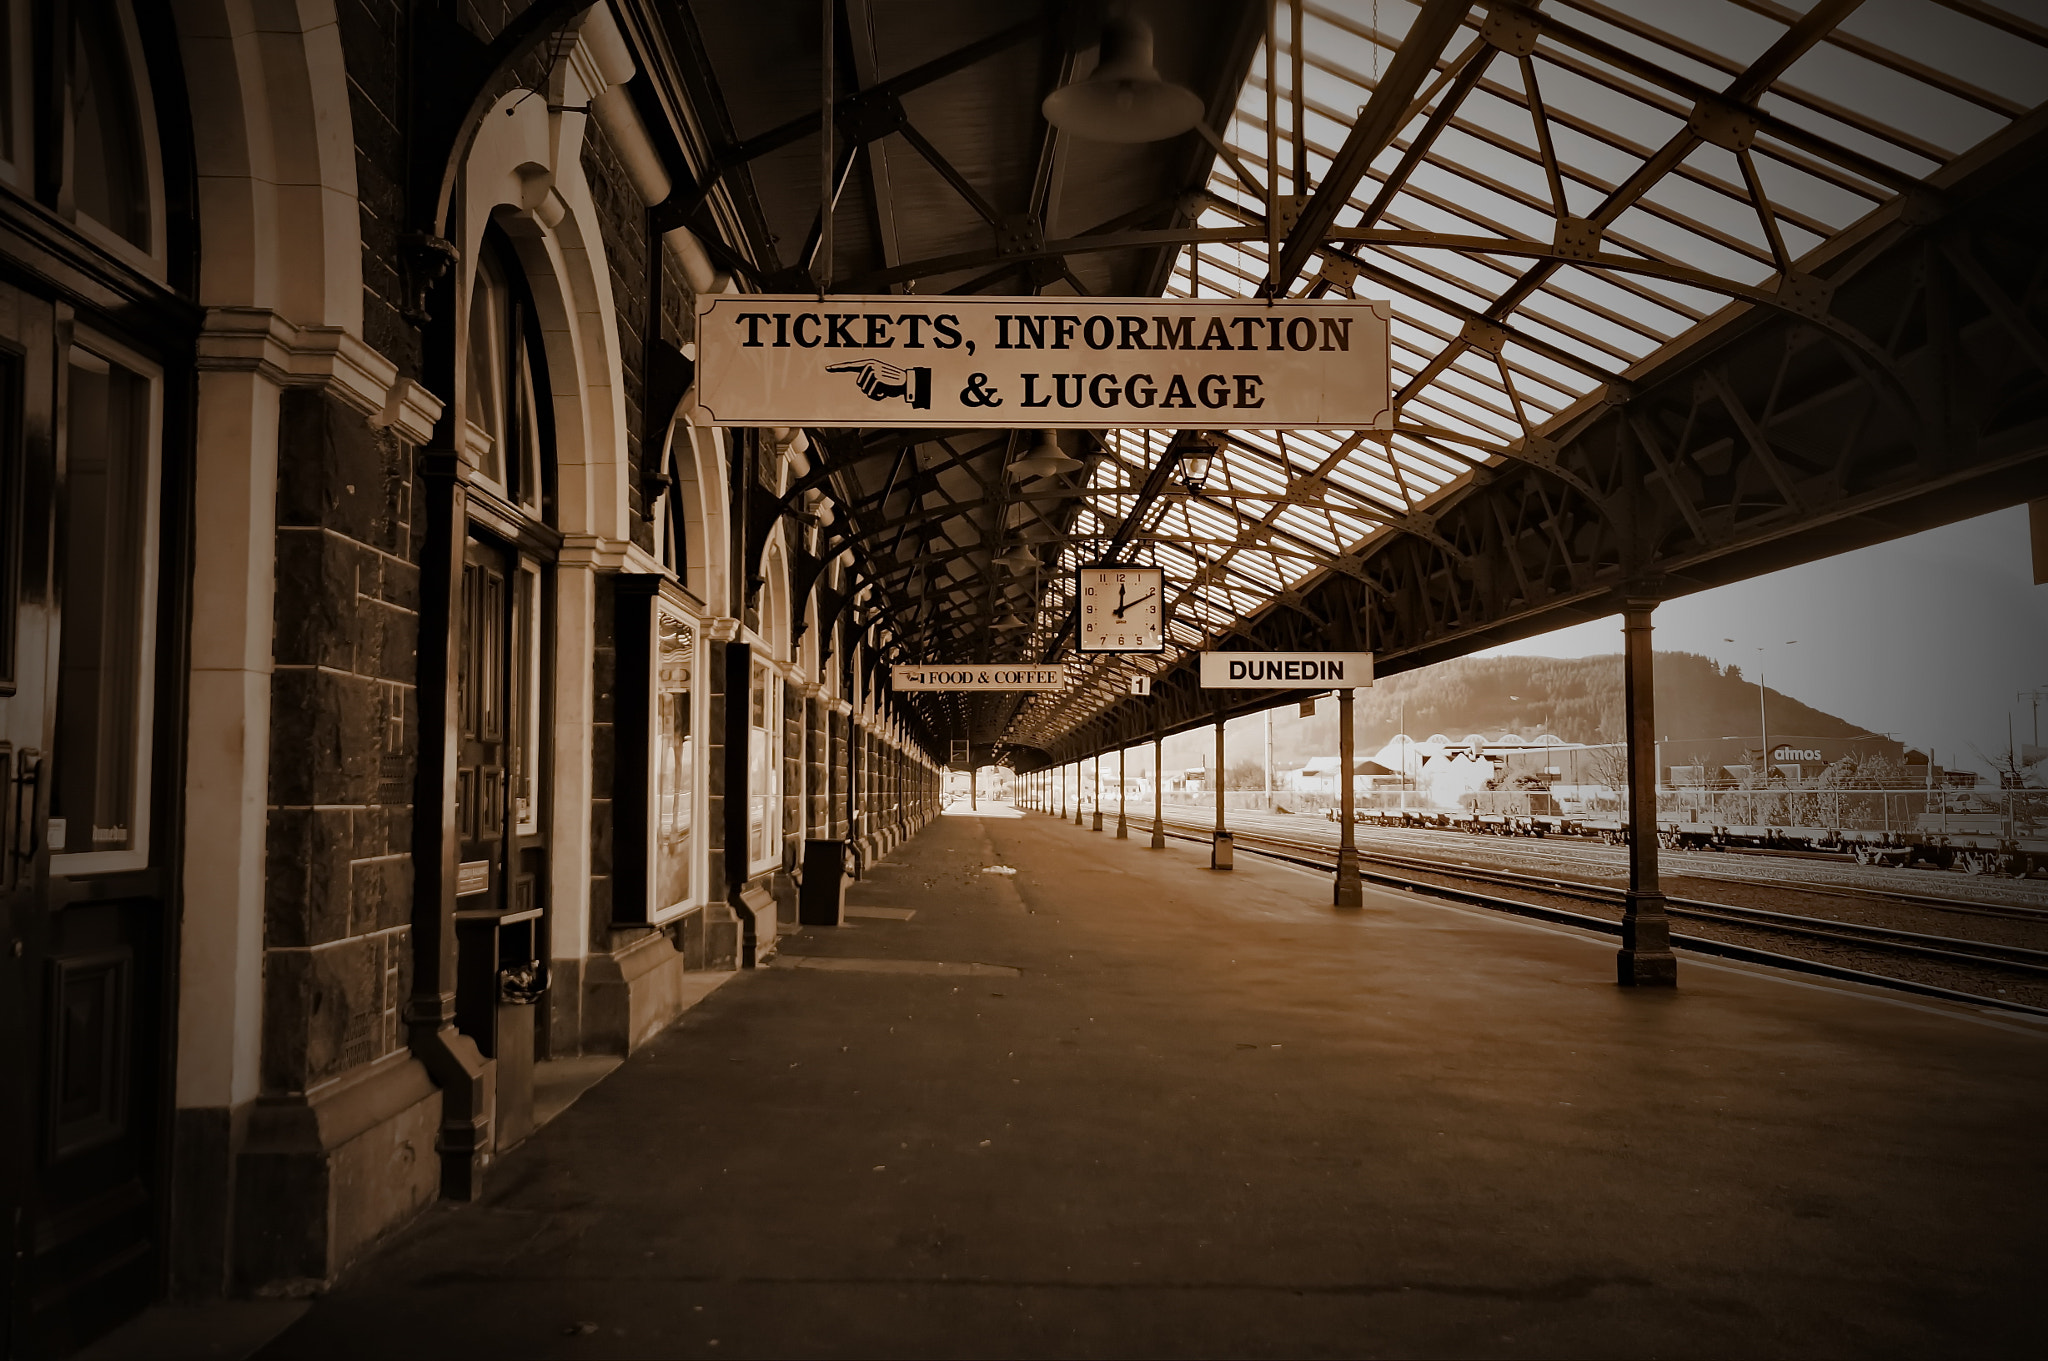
{"points": [[373, 47], [343, 734]]}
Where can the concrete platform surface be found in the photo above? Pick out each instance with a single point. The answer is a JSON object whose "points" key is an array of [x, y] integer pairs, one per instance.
{"points": [[1184, 1113]]}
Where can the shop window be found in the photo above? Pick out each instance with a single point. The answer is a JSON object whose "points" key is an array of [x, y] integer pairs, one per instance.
{"points": [[110, 180], [764, 706], [655, 788], [16, 84], [106, 657], [526, 695], [675, 760]]}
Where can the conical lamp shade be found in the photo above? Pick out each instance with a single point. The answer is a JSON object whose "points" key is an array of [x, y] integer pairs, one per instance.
{"points": [[1045, 459], [1018, 559], [1123, 99]]}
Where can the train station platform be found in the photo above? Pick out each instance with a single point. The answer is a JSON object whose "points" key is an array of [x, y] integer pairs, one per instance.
{"points": [[1116, 1104]]}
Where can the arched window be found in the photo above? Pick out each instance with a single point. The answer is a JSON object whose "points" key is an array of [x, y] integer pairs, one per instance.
{"points": [[508, 433]]}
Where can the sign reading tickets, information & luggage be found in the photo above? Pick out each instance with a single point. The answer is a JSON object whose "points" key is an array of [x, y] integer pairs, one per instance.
{"points": [[902, 361]]}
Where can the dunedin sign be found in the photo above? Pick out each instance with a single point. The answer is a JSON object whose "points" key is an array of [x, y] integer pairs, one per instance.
{"points": [[1286, 670], [898, 361], [980, 676]]}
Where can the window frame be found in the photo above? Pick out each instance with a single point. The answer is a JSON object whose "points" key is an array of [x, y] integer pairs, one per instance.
{"points": [[153, 260], [68, 863]]}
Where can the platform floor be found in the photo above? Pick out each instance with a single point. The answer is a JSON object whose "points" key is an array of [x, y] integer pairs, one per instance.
{"points": [[1182, 1113]]}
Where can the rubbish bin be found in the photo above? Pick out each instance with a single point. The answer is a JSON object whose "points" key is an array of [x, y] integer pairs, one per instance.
{"points": [[499, 977]]}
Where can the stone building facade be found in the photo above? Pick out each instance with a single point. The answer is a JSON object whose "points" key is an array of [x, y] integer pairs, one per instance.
{"points": [[388, 705]]}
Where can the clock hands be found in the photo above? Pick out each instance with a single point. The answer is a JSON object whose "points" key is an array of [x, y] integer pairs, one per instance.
{"points": [[1119, 610]]}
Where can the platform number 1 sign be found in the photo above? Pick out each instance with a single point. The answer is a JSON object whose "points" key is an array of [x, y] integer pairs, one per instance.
{"points": [[1122, 608]]}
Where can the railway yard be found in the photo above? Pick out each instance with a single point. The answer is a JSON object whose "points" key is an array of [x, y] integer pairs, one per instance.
{"points": [[1946, 934]]}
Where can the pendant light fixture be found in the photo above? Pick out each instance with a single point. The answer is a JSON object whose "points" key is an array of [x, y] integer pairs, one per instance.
{"points": [[1045, 460], [1123, 99], [1194, 467], [1018, 559]]}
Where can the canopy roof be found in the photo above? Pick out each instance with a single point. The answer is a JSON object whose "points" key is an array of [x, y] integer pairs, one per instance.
{"points": [[1561, 202]]}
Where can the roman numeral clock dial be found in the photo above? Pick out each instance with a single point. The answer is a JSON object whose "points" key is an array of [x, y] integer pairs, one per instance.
{"points": [[1121, 609]]}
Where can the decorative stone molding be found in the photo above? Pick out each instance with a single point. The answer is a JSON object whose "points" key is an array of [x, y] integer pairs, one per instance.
{"points": [[841, 707], [329, 358], [720, 628], [593, 551]]}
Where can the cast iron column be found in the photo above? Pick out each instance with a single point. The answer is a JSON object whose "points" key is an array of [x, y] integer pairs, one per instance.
{"points": [[1645, 959], [1097, 820], [1158, 782], [1123, 792], [1220, 850], [1080, 814], [1348, 893]]}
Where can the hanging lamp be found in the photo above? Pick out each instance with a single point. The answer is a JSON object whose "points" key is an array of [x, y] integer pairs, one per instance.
{"points": [[1123, 99], [1046, 459], [1018, 559]]}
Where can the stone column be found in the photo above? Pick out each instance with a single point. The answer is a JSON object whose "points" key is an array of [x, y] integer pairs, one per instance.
{"points": [[1645, 958], [1348, 892]]}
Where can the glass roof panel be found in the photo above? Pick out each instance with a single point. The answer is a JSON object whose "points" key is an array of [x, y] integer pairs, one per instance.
{"points": [[1890, 95]]}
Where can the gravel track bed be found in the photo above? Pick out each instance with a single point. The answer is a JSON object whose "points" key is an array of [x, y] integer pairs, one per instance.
{"points": [[1988, 981], [1776, 896]]}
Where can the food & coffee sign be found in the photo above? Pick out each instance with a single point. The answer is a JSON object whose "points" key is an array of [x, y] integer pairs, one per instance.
{"points": [[980, 676], [1042, 362]]}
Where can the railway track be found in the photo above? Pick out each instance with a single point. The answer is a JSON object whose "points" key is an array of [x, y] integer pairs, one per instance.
{"points": [[1987, 962], [1681, 864]]}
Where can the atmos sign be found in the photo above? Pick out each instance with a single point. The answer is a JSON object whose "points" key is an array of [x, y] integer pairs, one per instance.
{"points": [[899, 361], [1286, 670], [980, 676]]}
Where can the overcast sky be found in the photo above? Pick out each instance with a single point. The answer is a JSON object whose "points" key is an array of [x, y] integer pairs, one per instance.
{"points": [[1929, 638]]}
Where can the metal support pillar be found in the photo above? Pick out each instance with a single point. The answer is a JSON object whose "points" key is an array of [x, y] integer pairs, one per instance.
{"points": [[1347, 890], [1222, 853], [973, 797], [1158, 783], [1123, 796], [1095, 823], [1645, 958], [1079, 814]]}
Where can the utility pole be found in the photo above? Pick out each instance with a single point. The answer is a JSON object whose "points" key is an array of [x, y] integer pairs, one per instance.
{"points": [[2034, 697]]}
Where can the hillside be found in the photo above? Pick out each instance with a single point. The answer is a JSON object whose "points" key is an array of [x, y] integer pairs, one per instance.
{"points": [[1579, 700]]}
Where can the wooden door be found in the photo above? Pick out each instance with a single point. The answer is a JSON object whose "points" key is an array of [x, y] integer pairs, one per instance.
{"points": [[484, 728], [85, 1006]]}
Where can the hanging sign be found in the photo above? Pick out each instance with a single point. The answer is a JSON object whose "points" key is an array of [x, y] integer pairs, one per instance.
{"points": [[1021, 362], [1286, 670], [981, 676]]}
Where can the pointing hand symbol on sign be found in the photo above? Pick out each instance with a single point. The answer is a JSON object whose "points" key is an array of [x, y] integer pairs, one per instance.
{"points": [[880, 381]]}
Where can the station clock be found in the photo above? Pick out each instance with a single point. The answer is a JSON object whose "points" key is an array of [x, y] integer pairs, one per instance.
{"points": [[1120, 608]]}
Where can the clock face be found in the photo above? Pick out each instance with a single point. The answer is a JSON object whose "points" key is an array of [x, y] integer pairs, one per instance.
{"points": [[1122, 609]]}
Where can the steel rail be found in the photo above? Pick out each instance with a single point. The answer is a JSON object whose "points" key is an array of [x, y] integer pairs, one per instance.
{"points": [[1951, 948], [1696, 944]]}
